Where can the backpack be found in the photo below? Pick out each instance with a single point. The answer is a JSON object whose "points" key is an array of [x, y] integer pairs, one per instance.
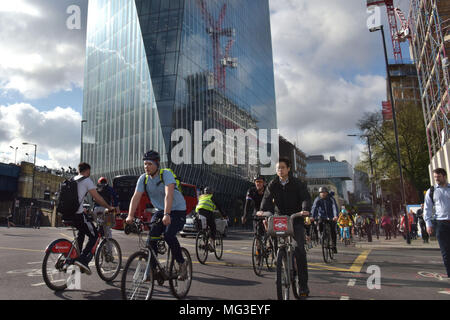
{"points": [[67, 202], [161, 171], [432, 194], [103, 190]]}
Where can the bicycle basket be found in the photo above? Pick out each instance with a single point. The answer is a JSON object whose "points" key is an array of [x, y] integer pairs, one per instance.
{"points": [[280, 226], [108, 219]]}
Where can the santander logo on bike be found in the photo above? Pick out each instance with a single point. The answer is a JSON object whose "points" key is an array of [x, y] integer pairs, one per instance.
{"points": [[280, 224]]}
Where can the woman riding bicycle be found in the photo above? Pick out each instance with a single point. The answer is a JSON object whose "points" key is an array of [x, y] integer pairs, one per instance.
{"points": [[167, 199], [344, 223]]}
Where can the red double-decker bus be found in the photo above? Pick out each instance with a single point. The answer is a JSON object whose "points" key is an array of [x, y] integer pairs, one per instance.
{"points": [[124, 186]]}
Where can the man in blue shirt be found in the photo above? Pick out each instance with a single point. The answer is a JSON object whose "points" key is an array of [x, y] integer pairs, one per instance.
{"points": [[441, 203], [170, 204]]}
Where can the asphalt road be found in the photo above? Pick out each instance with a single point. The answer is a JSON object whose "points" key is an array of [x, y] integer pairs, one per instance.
{"points": [[414, 272]]}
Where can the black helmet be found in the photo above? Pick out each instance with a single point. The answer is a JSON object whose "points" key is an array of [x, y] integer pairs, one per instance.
{"points": [[323, 189], [151, 155], [207, 190], [258, 177]]}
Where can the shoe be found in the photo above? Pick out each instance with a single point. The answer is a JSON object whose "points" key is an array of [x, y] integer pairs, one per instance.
{"points": [[83, 267], [211, 247], [183, 274], [335, 250], [304, 291]]}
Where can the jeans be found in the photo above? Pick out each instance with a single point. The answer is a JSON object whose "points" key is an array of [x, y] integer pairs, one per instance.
{"points": [[178, 219], [85, 228], [299, 248], [443, 237]]}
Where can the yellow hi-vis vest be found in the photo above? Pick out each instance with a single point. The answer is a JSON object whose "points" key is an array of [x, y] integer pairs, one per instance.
{"points": [[205, 202]]}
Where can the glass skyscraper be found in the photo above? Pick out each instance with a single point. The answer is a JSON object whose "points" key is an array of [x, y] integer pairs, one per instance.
{"points": [[154, 66]]}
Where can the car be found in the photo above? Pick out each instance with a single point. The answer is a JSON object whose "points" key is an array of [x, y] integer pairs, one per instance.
{"points": [[191, 229]]}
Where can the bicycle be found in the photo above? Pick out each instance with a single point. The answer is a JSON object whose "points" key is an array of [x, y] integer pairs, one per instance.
{"points": [[263, 248], [287, 274], [61, 253], [138, 277], [202, 245], [327, 248], [345, 232]]}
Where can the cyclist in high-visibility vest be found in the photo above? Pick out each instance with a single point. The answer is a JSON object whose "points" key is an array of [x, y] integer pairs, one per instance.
{"points": [[206, 206]]}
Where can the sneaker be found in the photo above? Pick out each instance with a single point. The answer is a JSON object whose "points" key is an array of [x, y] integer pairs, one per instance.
{"points": [[182, 273], [335, 250], [83, 267], [304, 291]]}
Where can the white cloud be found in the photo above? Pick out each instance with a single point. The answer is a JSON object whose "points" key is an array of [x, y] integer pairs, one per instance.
{"points": [[56, 134], [39, 55], [323, 61]]}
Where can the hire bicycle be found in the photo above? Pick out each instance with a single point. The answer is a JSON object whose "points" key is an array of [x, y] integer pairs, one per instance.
{"points": [[263, 249], [287, 273], [202, 242], [138, 276], [61, 254]]}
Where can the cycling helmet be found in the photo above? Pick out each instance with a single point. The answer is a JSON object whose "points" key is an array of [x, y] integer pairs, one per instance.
{"points": [[151, 155], [323, 189], [102, 180], [207, 190]]}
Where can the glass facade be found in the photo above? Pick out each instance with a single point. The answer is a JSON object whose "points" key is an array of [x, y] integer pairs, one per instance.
{"points": [[154, 66]]}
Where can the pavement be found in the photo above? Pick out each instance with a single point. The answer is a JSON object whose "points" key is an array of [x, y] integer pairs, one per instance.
{"points": [[396, 243]]}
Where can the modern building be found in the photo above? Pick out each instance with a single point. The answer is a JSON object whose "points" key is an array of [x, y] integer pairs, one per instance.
{"points": [[154, 66], [337, 172], [361, 187], [430, 45], [295, 156], [314, 185]]}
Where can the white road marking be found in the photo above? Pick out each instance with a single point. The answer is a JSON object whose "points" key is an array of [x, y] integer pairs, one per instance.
{"points": [[445, 292], [351, 282], [345, 298]]}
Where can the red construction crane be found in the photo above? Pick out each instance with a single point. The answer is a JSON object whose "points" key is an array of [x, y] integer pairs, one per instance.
{"points": [[216, 31], [396, 35]]}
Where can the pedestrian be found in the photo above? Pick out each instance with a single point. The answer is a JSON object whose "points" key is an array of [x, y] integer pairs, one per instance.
{"points": [[413, 224], [422, 225], [10, 218], [395, 226], [386, 224], [438, 196], [38, 217]]}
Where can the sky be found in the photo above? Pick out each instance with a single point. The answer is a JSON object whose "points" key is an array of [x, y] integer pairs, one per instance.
{"points": [[329, 70]]}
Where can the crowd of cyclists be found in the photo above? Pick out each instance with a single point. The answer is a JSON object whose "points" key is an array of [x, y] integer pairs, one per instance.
{"points": [[284, 195]]}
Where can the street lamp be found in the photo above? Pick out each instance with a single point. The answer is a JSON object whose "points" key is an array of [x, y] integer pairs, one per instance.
{"points": [[15, 154], [81, 140], [34, 166], [402, 185]]}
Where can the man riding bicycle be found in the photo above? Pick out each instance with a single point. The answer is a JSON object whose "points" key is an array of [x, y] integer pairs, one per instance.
{"points": [[324, 207], [205, 207], [290, 196], [169, 202], [253, 202]]}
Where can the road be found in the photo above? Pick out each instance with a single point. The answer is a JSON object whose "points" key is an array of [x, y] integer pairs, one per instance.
{"points": [[413, 272]]}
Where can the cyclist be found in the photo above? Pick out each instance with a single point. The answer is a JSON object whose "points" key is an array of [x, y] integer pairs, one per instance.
{"points": [[290, 195], [207, 203], [253, 201], [169, 202], [325, 207], [111, 197], [359, 221], [344, 223], [81, 222]]}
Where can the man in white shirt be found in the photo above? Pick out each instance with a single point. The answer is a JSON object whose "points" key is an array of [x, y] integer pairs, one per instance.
{"points": [[86, 228], [441, 202]]}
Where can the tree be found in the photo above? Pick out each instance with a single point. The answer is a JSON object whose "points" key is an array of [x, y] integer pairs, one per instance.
{"points": [[413, 149]]}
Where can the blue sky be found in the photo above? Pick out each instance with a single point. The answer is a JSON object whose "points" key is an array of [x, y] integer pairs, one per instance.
{"points": [[329, 70]]}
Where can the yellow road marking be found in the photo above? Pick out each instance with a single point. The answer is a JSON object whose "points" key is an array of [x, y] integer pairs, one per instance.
{"points": [[356, 266], [20, 249]]}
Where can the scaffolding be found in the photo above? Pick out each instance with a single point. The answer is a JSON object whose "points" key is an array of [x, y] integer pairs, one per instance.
{"points": [[429, 22]]}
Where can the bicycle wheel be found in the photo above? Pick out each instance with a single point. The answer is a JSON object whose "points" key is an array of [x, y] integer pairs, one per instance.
{"points": [[55, 277], [108, 259], [283, 278], [133, 285], [218, 246], [201, 247], [325, 244], [269, 252], [180, 287], [257, 255]]}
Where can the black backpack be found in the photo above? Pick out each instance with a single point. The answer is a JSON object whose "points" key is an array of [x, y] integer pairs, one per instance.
{"points": [[104, 192], [432, 194], [67, 203]]}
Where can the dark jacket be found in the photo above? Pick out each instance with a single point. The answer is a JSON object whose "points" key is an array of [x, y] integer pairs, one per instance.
{"points": [[324, 208], [253, 201], [288, 199]]}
